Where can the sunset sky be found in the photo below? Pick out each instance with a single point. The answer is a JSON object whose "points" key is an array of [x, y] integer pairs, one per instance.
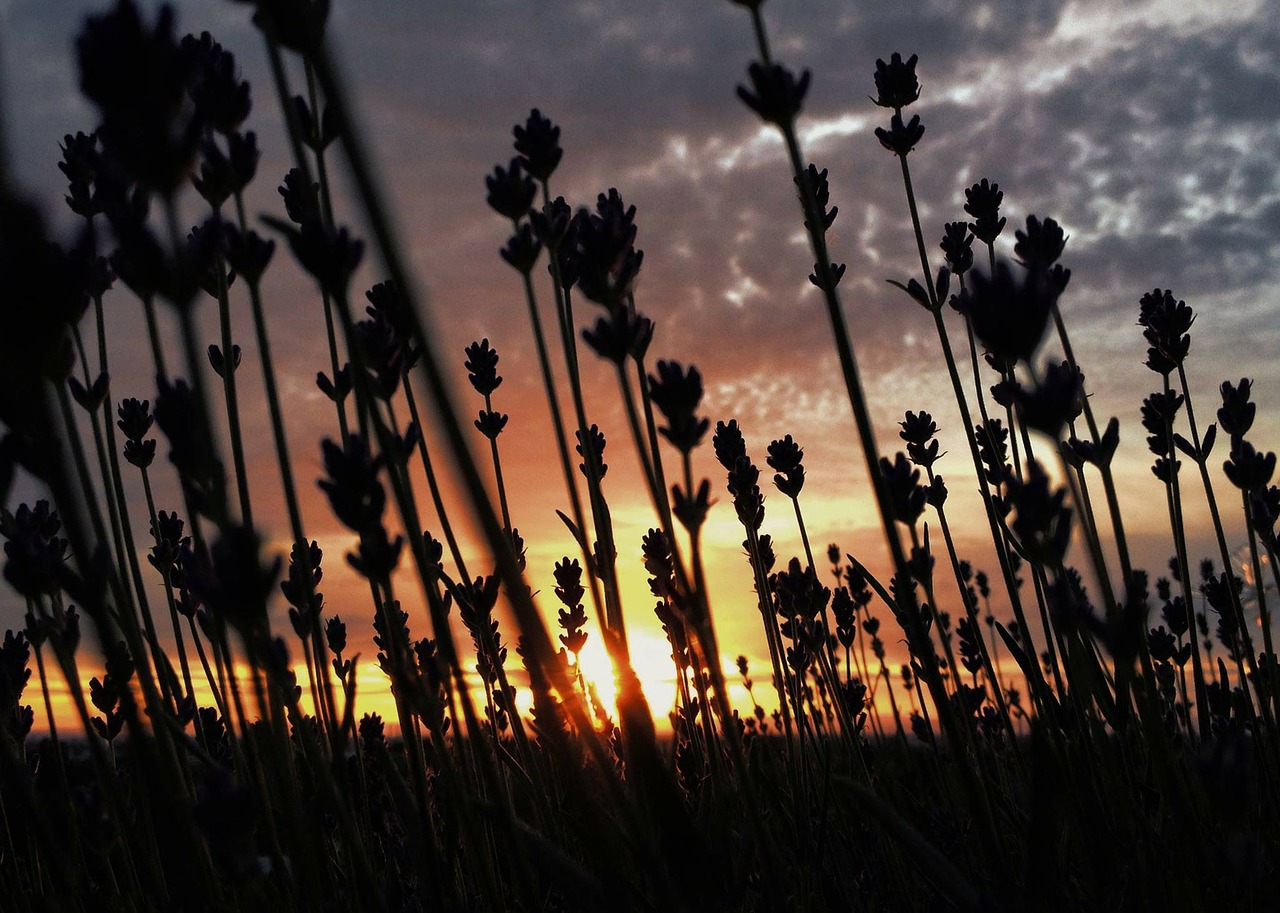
{"points": [[1149, 130]]}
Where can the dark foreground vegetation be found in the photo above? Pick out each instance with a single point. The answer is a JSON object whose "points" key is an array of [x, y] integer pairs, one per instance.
{"points": [[1065, 736]]}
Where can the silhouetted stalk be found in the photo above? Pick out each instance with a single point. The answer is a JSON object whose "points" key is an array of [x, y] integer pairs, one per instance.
{"points": [[1011, 419], [433, 486], [326, 210], [971, 613], [1104, 466], [59, 758], [1260, 586], [922, 546], [1174, 496], [497, 472], [564, 324], [768, 616], [113, 454], [229, 393], [326, 706], [648, 460], [659, 477], [134, 609], [553, 395], [1052, 636], [601, 566], [1241, 623], [173, 607]]}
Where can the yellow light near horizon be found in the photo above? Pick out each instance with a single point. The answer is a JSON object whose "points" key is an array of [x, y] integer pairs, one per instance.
{"points": [[651, 660]]}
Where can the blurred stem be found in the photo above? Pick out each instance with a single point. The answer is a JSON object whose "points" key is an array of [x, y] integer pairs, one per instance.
{"points": [[497, 471], [229, 393]]}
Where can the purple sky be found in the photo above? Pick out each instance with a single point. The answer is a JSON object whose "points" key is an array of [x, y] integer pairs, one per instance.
{"points": [[1150, 133]]}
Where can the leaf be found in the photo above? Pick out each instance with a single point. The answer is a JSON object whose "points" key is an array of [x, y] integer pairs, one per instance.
{"points": [[943, 284], [914, 289], [1210, 435], [580, 539], [1109, 442], [1185, 446], [1029, 671]]}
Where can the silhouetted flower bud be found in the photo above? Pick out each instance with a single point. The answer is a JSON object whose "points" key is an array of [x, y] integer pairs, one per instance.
{"points": [[89, 398], [597, 444], [901, 137], [617, 336], [1041, 244], [1058, 399], [337, 389], [335, 634], [317, 133], [521, 250], [247, 253], [918, 431], [221, 98], [490, 423], [219, 362], [180, 416], [936, 493], [691, 511], [1008, 316], [80, 164], [744, 486], [957, 247], [510, 190], [982, 203], [821, 189], [135, 418], [331, 255], [896, 82], [605, 261], [785, 458], [297, 24], [775, 93], [1166, 323], [169, 541], [1237, 412], [215, 181], [482, 367], [301, 200], [677, 392], [906, 496], [538, 143], [355, 494], [1041, 521], [299, 586], [1248, 469], [551, 224], [728, 443]]}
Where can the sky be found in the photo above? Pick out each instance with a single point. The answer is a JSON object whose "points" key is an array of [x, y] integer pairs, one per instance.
{"points": [[1149, 130]]}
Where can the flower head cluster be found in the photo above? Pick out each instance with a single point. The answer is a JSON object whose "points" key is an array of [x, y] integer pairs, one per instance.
{"points": [[677, 392]]}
